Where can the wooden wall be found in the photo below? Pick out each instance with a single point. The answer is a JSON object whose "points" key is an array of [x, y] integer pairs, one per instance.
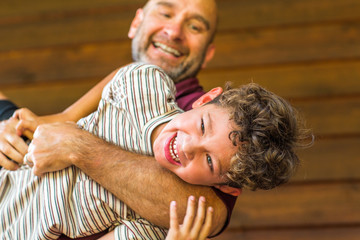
{"points": [[308, 51]]}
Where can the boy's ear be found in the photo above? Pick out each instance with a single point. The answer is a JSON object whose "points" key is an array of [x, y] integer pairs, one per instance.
{"points": [[135, 23], [207, 97], [229, 190]]}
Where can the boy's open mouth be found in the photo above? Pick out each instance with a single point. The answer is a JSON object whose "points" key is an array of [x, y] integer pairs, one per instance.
{"points": [[173, 150]]}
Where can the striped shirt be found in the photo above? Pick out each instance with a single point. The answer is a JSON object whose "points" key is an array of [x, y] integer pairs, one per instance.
{"points": [[134, 102]]}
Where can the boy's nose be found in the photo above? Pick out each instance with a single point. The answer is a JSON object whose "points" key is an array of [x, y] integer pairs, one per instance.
{"points": [[190, 148]]}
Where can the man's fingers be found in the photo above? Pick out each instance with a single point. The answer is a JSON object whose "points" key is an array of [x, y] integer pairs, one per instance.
{"points": [[7, 163], [28, 161], [37, 172], [13, 148]]}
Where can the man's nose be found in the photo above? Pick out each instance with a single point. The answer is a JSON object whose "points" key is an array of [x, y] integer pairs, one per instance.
{"points": [[174, 30]]}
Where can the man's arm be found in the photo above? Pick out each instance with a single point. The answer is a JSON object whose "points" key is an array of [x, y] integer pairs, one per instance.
{"points": [[137, 180], [14, 147]]}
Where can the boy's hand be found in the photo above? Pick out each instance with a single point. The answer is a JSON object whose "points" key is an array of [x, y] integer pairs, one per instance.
{"points": [[28, 122], [197, 229], [12, 146]]}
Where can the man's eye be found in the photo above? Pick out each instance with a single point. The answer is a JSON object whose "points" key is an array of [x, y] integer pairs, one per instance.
{"points": [[210, 163], [165, 14], [202, 126], [195, 28]]}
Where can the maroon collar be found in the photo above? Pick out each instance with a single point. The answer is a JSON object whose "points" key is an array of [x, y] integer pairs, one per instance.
{"points": [[187, 91]]}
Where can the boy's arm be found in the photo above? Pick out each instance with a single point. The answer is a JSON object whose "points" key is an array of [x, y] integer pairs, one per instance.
{"points": [[137, 180], [2, 96]]}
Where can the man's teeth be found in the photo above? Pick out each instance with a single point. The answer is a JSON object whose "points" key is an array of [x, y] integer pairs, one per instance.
{"points": [[167, 49], [173, 150]]}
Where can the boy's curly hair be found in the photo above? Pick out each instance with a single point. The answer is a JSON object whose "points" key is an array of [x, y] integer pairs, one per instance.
{"points": [[268, 131]]}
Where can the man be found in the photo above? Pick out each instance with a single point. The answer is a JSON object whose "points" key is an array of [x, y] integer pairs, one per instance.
{"points": [[177, 36]]}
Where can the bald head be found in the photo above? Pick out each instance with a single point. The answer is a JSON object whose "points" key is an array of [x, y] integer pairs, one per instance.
{"points": [[176, 35], [206, 8]]}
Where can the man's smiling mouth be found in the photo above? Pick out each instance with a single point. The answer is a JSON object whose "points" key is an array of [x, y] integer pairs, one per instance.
{"points": [[167, 49]]}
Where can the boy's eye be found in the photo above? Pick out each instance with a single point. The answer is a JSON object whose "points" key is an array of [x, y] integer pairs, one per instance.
{"points": [[210, 163], [202, 126]]}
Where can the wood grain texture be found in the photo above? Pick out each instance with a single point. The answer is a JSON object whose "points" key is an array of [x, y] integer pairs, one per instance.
{"points": [[299, 205], [321, 233], [52, 52]]}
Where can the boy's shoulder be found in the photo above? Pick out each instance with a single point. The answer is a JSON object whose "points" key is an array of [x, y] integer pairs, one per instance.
{"points": [[141, 66], [143, 73]]}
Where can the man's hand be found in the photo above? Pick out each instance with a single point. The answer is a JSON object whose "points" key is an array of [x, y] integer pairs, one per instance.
{"points": [[12, 146], [52, 147]]}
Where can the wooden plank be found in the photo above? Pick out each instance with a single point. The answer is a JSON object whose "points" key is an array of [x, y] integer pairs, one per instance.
{"points": [[333, 233], [111, 26], [75, 26], [237, 14], [299, 205], [23, 9], [292, 81], [287, 45], [249, 14], [241, 50], [78, 62], [336, 116], [334, 159], [299, 81], [48, 98]]}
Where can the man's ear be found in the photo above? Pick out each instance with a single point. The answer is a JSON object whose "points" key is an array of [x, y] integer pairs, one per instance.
{"points": [[210, 52], [135, 23], [229, 190], [207, 97]]}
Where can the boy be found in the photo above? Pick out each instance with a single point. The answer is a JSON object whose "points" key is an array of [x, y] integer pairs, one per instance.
{"points": [[244, 138]]}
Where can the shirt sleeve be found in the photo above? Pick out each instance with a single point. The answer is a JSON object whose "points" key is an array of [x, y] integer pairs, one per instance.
{"points": [[138, 99], [7, 109]]}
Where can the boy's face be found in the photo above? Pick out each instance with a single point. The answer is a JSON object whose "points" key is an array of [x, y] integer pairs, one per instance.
{"points": [[195, 145], [174, 35]]}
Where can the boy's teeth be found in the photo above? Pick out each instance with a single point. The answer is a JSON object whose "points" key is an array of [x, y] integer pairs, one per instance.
{"points": [[173, 151], [167, 49]]}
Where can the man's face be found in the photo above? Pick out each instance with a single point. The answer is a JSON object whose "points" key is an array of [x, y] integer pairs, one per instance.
{"points": [[195, 145], [175, 35]]}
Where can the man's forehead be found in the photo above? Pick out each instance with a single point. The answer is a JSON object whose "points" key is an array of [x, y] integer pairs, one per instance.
{"points": [[205, 8]]}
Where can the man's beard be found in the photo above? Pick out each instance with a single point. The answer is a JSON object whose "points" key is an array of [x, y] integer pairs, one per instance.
{"points": [[177, 73]]}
